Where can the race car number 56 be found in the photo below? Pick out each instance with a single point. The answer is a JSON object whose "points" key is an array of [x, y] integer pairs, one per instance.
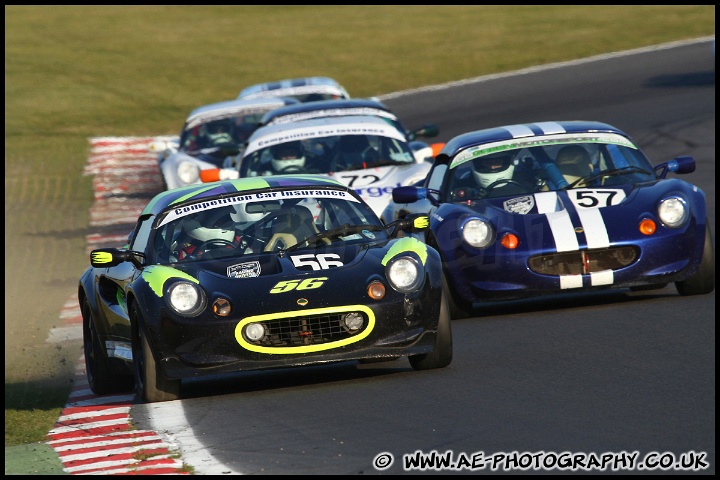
{"points": [[306, 284]]}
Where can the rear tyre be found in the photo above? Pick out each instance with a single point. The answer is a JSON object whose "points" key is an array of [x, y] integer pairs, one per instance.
{"points": [[702, 281], [443, 353], [151, 384], [98, 368]]}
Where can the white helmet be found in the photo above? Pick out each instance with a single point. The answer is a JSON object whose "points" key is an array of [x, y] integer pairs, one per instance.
{"points": [[491, 168], [193, 228], [286, 155], [242, 218], [217, 133]]}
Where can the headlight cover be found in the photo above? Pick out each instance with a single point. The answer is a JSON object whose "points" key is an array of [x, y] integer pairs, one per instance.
{"points": [[673, 212], [188, 172], [404, 273], [477, 232], [186, 298]]}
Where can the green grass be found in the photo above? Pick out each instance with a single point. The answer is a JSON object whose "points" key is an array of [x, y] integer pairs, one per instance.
{"points": [[74, 72]]}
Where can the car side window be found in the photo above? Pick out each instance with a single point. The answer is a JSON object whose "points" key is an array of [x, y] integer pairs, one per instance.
{"points": [[142, 233]]}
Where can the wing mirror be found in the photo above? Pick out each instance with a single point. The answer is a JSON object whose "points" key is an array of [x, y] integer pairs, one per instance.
{"points": [[111, 257]]}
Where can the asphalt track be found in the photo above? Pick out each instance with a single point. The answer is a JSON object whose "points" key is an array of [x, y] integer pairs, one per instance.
{"points": [[644, 382]]}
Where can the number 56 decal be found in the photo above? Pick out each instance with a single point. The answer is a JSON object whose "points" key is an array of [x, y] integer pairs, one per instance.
{"points": [[321, 261], [306, 284]]}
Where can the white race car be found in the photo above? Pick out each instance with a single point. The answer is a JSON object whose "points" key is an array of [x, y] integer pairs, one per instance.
{"points": [[364, 152], [356, 106], [213, 136], [308, 89]]}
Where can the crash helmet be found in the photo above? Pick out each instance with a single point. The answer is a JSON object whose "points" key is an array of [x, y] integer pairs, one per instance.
{"points": [[286, 155], [492, 168], [218, 133], [195, 230], [242, 218]]}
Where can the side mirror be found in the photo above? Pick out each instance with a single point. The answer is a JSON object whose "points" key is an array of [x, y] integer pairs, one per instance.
{"points": [[426, 131], [409, 194], [415, 223], [679, 165], [111, 257]]}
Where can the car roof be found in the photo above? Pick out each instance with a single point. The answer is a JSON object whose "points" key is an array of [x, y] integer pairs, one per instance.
{"points": [[351, 106], [294, 86], [524, 131], [321, 127], [215, 191], [231, 108]]}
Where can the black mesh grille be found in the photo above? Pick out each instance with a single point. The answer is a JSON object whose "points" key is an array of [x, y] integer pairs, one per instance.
{"points": [[311, 330], [583, 261]]}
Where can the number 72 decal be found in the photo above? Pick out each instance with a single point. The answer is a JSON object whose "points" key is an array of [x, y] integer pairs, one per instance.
{"points": [[583, 198], [305, 284]]}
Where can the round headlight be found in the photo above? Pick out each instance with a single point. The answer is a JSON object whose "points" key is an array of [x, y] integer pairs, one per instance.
{"points": [[477, 233], [404, 274], [186, 298], [254, 331], [188, 172], [673, 212], [353, 321]]}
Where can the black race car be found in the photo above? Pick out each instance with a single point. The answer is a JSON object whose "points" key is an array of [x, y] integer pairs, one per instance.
{"points": [[259, 273]]}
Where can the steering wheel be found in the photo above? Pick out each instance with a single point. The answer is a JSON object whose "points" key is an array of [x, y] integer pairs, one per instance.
{"points": [[213, 244], [293, 169], [504, 181]]}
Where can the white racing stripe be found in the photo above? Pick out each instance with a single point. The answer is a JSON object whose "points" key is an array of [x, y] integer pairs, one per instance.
{"points": [[563, 231], [550, 127], [570, 281], [518, 131], [606, 277], [546, 202], [594, 226]]}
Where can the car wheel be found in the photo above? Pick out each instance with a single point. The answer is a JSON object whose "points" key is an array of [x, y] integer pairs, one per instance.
{"points": [[151, 384], [458, 308], [443, 353], [702, 281], [98, 370]]}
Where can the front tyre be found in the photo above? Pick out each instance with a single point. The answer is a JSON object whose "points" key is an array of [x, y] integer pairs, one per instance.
{"points": [[99, 372], [702, 281], [443, 353], [151, 384]]}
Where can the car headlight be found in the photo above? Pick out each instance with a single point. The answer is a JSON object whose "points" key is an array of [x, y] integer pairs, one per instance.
{"points": [[477, 233], [186, 298], [404, 274], [673, 212], [188, 172]]}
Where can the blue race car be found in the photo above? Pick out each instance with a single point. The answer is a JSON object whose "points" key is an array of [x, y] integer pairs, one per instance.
{"points": [[259, 273], [550, 207], [305, 89]]}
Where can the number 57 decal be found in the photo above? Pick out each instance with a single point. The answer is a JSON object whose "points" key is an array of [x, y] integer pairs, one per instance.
{"points": [[596, 198], [306, 284]]}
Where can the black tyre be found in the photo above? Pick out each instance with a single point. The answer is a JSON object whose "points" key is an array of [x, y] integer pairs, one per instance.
{"points": [[443, 353], [151, 384], [702, 281], [98, 367]]}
